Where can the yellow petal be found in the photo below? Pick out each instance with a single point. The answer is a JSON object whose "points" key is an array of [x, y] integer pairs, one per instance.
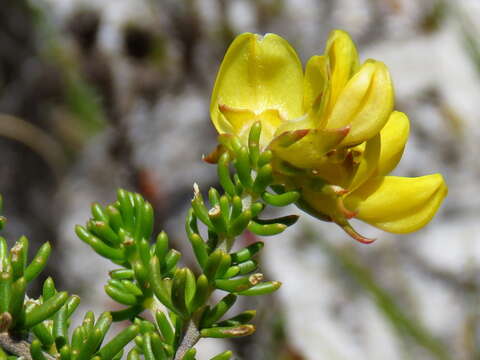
{"points": [[394, 136], [343, 59], [367, 165], [398, 204], [257, 74], [377, 107], [309, 151], [315, 84], [365, 104], [351, 98], [317, 203], [239, 122]]}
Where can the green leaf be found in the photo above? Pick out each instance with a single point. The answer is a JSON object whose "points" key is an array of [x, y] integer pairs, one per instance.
{"points": [[132, 288], [171, 260], [36, 350], [231, 272], [143, 249], [237, 207], [16, 301], [201, 294], [48, 289], [158, 348], [242, 165], [264, 158], [18, 257], [99, 213], [256, 208], [218, 220], [38, 263], [238, 225], [213, 263], [3, 253], [247, 267], [238, 284], [199, 208], [190, 287], [254, 143], [72, 303], [190, 354], [239, 189], [147, 347], [60, 327], [199, 249], [88, 321], [224, 204], [263, 180], [65, 352], [267, 229], [228, 332], [165, 328], [263, 288], [122, 274], [43, 334], [90, 345], [141, 272], [104, 232], [115, 218], [224, 174], [99, 246], [223, 266], [43, 311], [239, 319], [213, 197], [179, 291], [247, 253], [214, 314], [288, 220], [226, 355], [127, 314], [103, 324], [133, 355], [5, 290], [114, 346], [157, 284], [120, 296], [161, 246], [78, 337], [126, 205], [284, 199]]}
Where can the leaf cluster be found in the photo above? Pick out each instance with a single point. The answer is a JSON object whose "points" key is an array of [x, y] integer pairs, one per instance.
{"points": [[169, 306]]}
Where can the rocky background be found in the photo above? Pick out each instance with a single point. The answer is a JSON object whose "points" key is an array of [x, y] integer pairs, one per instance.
{"points": [[99, 95]]}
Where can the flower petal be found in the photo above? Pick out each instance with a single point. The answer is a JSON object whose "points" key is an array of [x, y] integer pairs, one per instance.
{"points": [[365, 104], [315, 85], [367, 165], [343, 59], [259, 73], [394, 136], [398, 204], [239, 122], [351, 98], [309, 151]]}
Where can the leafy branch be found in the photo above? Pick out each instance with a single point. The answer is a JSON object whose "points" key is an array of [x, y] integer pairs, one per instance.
{"points": [[150, 277]]}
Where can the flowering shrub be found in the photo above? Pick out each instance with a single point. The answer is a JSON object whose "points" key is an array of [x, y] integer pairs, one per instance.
{"points": [[324, 140], [332, 130]]}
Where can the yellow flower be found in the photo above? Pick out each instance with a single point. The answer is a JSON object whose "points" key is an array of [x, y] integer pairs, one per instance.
{"points": [[332, 130]]}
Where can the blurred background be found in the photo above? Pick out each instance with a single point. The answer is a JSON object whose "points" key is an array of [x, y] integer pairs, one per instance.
{"points": [[99, 95]]}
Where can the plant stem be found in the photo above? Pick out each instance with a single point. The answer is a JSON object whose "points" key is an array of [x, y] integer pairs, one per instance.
{"points": [[192, 335], [19, 348]]}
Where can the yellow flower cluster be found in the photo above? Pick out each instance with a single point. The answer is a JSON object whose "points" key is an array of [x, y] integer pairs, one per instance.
{"points": [[332, 129]]}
